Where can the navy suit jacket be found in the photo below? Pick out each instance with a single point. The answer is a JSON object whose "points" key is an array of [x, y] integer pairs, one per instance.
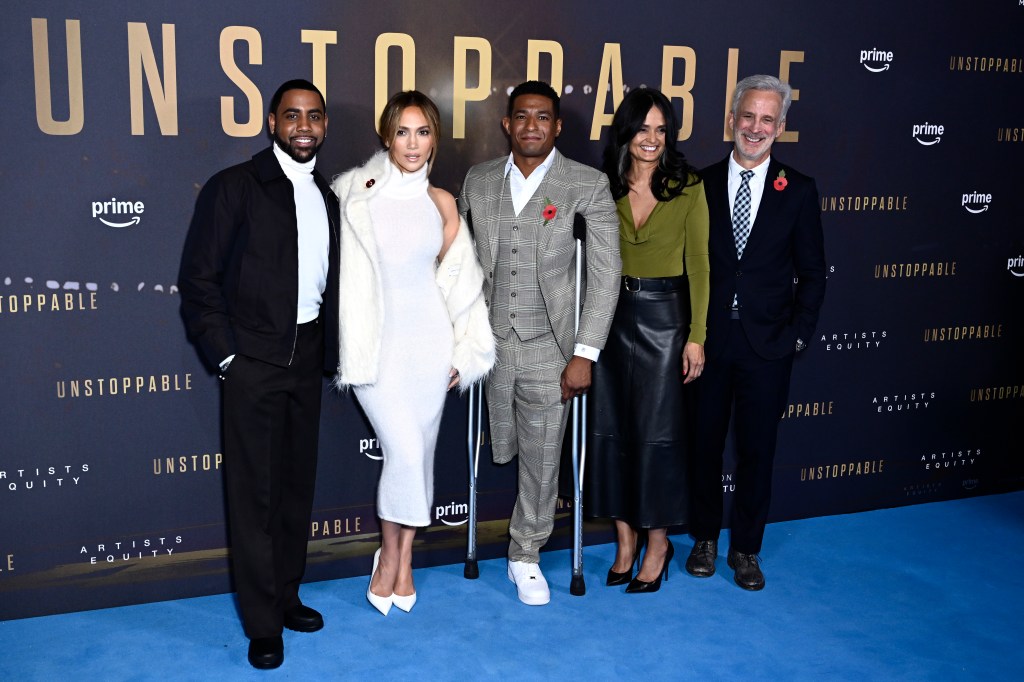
{"points": [[785, 242]]}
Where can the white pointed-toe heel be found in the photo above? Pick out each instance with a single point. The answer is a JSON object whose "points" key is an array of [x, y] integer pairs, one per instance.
{"points": [[382, 604], [404, 602]]}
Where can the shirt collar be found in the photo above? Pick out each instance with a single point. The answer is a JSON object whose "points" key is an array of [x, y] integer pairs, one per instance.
{"points": [[760, 170], [543, 167]]}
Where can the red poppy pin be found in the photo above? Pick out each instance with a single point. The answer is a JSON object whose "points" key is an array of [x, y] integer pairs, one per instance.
{"points": [[370, 183], [549, 212], [781, 181]]}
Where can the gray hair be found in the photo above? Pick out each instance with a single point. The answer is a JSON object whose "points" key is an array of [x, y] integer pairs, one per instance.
{"points": [[763, 82]]}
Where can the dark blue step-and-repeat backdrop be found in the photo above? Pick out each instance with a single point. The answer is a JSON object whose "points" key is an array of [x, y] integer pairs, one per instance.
{"points": [[909, 115]]}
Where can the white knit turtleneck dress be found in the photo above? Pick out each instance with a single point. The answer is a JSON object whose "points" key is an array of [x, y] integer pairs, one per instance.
{"points": [[405, 404]]}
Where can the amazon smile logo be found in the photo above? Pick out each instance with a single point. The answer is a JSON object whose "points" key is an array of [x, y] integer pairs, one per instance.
{"points": [[1015, 266], [928, 133], [115, 213], [459, 510], [371, 448], [976, 202], [875, 60]]}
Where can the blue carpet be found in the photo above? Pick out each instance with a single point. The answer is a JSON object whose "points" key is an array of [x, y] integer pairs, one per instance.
{"points": [[927, 592]]}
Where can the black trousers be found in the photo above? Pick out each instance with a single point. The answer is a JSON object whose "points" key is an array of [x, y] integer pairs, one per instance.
{"points": [[271, 423], [738, 381]]}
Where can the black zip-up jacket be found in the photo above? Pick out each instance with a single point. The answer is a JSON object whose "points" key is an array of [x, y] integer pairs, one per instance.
{"points": [[239, 277]]}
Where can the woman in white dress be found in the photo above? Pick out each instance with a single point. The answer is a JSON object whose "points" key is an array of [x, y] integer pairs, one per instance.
{"points": [[413, 323]]}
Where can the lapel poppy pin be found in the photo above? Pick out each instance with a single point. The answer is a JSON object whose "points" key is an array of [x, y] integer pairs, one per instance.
{"points": [[549, 212], [370, 183], [781, 181]]}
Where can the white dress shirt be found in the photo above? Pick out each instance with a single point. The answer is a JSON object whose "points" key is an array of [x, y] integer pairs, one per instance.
{"points": [[756, 184]]}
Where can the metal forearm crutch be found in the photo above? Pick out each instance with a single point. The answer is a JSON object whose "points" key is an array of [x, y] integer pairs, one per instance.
{"points": [[578, 586], [474, 439]]}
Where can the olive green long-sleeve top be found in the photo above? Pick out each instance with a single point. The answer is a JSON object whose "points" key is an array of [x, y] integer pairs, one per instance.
{"points": [[673, 241]]}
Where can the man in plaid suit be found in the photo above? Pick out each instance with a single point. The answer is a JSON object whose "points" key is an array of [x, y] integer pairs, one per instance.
{"points": [[522, 209]]}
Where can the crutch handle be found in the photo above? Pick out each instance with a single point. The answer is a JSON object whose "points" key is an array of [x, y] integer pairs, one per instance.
{"points": [[579, 227]]}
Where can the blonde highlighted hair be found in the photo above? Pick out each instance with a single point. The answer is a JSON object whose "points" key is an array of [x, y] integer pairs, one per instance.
{"points": [[399, 102]]}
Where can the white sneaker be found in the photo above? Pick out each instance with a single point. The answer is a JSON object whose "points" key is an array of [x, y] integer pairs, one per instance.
{"points": [[530, 582]]}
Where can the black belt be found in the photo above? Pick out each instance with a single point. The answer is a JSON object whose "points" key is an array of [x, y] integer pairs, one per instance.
{"points": [[635, 284]]}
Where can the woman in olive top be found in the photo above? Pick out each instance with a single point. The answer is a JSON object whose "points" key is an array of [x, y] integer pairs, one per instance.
{"points": [[637, 448]]}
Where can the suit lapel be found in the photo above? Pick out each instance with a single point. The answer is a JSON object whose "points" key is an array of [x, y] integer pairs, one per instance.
{"points": [[490, 221], [717, 178], [771, 203], [556, 189]]}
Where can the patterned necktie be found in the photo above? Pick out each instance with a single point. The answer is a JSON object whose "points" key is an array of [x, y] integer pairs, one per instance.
{"points": [[741, 213]]}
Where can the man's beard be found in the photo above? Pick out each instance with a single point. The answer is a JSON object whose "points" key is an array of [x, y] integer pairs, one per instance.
{"points": [[302, 156]]}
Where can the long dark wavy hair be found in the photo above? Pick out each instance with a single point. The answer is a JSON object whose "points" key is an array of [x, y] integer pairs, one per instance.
{"points": [[673, 174]]}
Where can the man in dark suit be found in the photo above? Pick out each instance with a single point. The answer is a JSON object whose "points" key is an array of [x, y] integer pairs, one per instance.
{"points": [[765, 229], [258, 287]]}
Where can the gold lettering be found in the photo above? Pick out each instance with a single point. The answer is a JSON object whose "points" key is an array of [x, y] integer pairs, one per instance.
{"points": [[786, 58], [461, 92], [683, 91], [253, 124], [142, 59], [610, 78], [72, 125], [334, 527], [534, 49], [381, 91], [730, 84], [320, 40]]}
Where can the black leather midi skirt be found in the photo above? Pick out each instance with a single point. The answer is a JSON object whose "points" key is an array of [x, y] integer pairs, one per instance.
{"points": [[636, 466]]}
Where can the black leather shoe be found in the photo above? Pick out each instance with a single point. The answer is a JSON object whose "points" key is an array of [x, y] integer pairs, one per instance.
{"points": [[639, 586], [266, 652], [748, 574], [303, 619], [701, 563]]}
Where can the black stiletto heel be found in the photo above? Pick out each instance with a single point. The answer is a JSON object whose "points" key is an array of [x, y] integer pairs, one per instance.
{"points": [[636, 585], [616, 578]]}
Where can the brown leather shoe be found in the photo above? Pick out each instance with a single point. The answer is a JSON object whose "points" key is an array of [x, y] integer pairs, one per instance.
{"points": [[748, 574], [701, 562]]}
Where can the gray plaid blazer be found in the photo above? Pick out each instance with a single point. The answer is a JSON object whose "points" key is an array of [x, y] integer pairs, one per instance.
{"points": [[572, 188]]}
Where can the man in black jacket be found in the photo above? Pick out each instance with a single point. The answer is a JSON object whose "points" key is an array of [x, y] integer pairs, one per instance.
{"points": [[258, 285], [765, 230]]}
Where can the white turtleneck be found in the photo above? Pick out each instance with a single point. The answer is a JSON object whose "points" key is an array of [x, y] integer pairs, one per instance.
{"points": [[398, 184], [314, 237]]}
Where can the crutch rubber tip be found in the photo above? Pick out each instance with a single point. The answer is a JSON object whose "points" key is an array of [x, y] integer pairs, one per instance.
{"points": [[472, 570], [577, 587]]}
